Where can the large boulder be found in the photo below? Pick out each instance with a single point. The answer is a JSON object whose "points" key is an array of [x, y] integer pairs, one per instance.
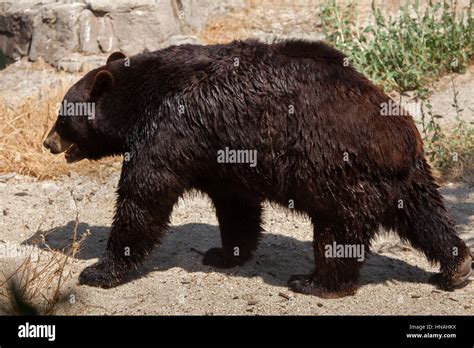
{"points": [[56, 30]]}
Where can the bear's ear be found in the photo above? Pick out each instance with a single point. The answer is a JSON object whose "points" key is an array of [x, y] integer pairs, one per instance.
{"points": [[103, 82], [115, 56]]}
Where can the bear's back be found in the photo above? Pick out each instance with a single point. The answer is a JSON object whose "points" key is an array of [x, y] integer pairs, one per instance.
{"points": [[293, 97]]}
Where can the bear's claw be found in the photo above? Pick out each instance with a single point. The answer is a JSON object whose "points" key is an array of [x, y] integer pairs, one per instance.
{"points": [[305, 284], [455, 281], [98, 275]]}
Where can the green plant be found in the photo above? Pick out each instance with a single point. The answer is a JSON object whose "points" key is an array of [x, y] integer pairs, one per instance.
{"points": [[404, 53], [453, 149]]}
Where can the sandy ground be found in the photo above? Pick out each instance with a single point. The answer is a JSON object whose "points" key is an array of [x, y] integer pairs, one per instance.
{"points": [[173, 280]]}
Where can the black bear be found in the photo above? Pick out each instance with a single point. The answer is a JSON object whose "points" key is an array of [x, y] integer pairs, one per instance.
{"points": [[247, 122]]}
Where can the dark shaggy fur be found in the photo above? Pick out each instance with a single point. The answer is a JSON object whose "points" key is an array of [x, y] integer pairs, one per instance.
{"points": [[344, 165]]}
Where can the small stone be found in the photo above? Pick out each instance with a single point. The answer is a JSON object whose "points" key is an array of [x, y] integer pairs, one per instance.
{"points": [[50, 188], [319, 304], [252, 302]]}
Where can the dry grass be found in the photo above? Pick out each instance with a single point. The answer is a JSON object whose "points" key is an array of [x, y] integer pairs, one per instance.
{"points": [[35, 284], [23, 130], [35, 287]]}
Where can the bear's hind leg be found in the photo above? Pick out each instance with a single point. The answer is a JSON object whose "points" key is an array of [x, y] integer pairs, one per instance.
{"points": [[421, 218], [339, 253], [240, 226]]}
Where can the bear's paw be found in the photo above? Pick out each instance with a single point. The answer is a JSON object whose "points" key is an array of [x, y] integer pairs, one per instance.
{"points": [[305, 284], [99, 275]]}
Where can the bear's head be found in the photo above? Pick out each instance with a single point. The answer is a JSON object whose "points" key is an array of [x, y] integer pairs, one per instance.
{"points": [[83, 129]]}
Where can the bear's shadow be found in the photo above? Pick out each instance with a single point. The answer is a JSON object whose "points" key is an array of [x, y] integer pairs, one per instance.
{"points": [[276, 259]]}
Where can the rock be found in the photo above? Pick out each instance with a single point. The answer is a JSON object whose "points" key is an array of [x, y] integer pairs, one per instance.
{"points": [[17, 29], [54, 30], [49, 188], [138, 31], [88, 33], [21, 194], [75, 62], [194, 15], [183, 39], [6, 177], [21, 81], [104, 6], [105, 35], [286, 296]]}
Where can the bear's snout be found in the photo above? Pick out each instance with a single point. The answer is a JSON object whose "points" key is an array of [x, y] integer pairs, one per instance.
{"points": [[55, 143]]}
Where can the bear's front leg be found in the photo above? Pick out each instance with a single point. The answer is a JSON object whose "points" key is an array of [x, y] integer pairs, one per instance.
{"points": [[144, 204]]}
